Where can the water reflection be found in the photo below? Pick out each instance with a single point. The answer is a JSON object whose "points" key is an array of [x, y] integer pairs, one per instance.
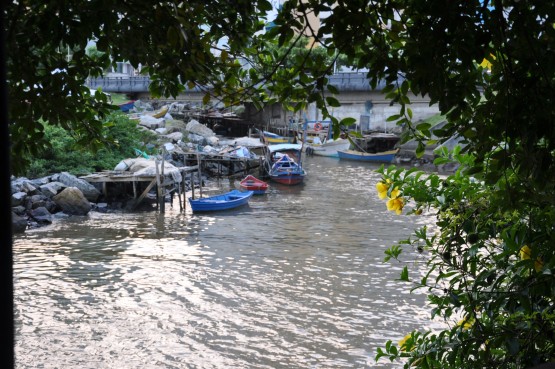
{"points": [[295, 279]]}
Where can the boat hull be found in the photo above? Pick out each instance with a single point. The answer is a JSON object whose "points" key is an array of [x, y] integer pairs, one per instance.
{"points": [[381, 157], [283, 164], [251, 183], [289, 179], [330, 148], [229, 200]]}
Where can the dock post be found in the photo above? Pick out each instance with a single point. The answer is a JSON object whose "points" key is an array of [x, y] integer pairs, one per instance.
{"points": [[179, 190], [192, 185], [157, 183], [199, 175], [163, 189]]}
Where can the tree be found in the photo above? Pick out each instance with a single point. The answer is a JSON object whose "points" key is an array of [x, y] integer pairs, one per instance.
{"points": [[46, 73], [489, 65]]}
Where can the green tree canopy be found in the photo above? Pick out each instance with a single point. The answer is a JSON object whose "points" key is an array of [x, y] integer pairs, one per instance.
{"points": [[47, 62], [487, 64]]}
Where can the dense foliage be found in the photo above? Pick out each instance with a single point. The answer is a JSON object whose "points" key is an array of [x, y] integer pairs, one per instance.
{"points": [[47, 63], [489, 65], [64, 154]]}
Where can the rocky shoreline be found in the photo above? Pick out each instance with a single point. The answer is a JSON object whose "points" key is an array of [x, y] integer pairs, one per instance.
{"points": [[37, 202]]}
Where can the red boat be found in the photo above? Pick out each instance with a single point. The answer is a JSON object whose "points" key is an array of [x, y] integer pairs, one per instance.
{"points": [[251, 183]]}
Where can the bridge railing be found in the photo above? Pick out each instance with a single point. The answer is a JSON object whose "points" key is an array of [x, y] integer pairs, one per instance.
{"points": [[349, 81], [120, 84]]}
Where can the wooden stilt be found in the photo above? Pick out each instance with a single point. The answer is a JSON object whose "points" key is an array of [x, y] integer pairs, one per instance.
{"points": [[192, 185], [145, 192], [162, 189], [199, 175], [157, 184]]}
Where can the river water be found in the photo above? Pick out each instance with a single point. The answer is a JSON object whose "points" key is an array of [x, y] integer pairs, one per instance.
{"points": [[294, 280]]}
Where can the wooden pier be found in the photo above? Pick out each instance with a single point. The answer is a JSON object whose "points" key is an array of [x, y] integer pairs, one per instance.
{"points": [[164, 183]]}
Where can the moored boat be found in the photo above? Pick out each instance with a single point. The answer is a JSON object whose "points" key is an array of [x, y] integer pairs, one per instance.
{"points": [[283, 163], [270, 138], [329, 147], [375, 147], [379, 157], [251, 183], [225, 201], [127, 106]]}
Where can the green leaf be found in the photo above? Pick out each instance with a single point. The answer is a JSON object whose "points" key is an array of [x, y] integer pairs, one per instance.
{"points": [[405, 274], [391, 118], [206, 98], [332, 101]]}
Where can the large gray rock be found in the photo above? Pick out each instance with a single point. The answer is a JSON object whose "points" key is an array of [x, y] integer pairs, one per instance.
{"points": [[19, 224], [72, 201], [52, 189], [18, 198], [24, 185], [199, 129], [174, 137], [41, 215], [89, 191]]}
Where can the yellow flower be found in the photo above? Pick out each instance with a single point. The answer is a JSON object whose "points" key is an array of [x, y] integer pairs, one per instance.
{"points": [[526, 252], [395, 193], [396, 204], [487, 63], [403, 343], [382, 188], [465, 323]]}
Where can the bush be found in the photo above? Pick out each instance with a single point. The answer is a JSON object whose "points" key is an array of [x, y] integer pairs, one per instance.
{"points": [[121, 134]]}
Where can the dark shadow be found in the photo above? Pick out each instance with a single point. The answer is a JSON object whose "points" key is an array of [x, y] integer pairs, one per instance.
{"points": [[6, 247]]}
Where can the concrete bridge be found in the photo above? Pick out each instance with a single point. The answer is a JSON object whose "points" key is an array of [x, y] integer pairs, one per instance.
{"points": [[358, 100], [351, 81]]}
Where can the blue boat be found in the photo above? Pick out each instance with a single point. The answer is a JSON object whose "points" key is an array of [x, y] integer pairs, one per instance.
{"points": [[225, 201], [283, 163], [379, 157], [125, 107]]}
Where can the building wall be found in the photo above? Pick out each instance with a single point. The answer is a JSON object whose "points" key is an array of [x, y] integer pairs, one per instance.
{"points": [[369, 109]]}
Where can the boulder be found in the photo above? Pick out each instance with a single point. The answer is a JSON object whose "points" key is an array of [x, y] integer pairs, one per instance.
{"points": [[197, 139], [89, 191], [51, 189], [174, 137], [72, 201], [199, 129], [41, 215], [150, 122], [18, 198], [19, 224]]}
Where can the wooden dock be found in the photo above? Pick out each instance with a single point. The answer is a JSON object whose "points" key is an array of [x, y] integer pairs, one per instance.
{"points": [[165, 184]]}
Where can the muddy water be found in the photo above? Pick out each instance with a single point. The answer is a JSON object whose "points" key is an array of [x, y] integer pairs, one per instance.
{"points": [[294, 280]]}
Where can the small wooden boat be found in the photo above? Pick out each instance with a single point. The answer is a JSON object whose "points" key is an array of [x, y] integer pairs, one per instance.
{"points": [[375, 147], [379, 157], [161, 113], [329, 148], [270, 138], [229, 200], [251, 183], [283, 163], [125, 107]]}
